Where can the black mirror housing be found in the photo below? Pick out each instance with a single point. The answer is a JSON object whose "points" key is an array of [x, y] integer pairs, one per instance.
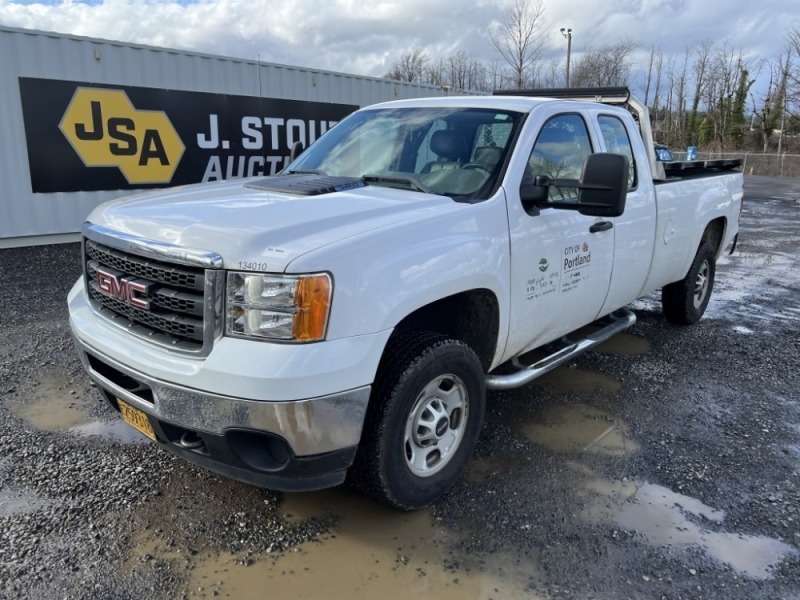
{"points": [[532, 193], [604, 185], [602, 188]]}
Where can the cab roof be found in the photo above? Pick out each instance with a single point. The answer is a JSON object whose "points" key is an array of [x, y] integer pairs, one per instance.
{"points": [[512, 103]]}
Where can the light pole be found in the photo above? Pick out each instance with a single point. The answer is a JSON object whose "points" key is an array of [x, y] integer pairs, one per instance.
{"points": [[567, 33]]}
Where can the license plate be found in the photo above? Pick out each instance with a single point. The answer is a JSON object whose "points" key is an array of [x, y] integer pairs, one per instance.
{"points": [[136, 418]]}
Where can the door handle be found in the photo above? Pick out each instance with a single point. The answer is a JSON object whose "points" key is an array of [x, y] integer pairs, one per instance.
{"points": [[601, 226]]}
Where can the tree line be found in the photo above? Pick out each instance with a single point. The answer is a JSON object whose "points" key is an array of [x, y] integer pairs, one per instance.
{"points": [[704, 97]]}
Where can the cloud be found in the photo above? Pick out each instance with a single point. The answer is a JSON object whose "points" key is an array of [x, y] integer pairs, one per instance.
{"points": [[366, 36]]}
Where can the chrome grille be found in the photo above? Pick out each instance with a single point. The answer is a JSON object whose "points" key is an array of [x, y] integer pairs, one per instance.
{"points": [[175, 293], [179, 276]]}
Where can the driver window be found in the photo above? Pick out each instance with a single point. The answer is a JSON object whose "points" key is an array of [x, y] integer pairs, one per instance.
{"points": [[617, 141], [560, 150]]}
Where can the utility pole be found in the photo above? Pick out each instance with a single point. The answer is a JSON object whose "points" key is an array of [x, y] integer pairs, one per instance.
{"points": [[567, 33], [783, 121]]}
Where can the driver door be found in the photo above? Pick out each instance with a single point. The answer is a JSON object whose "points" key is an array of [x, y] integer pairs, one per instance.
{"points": [[561, 261]]}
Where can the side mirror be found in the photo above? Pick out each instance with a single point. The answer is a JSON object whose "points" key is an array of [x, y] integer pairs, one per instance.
{"points": [[295, 151], [604, 185], [602, 188], [532, 193]]}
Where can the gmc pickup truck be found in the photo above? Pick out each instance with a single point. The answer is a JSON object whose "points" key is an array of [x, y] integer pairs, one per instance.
{"points": [[345, 318]]}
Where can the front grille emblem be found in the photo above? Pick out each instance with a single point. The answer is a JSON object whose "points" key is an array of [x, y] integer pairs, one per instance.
{"points": [[131, 291]]}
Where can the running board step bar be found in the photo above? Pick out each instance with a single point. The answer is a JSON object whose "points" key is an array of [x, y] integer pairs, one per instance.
{"points": [[565, 350]]}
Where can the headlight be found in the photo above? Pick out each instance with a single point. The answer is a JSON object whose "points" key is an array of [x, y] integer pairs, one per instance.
{"points": [[278, 307]]}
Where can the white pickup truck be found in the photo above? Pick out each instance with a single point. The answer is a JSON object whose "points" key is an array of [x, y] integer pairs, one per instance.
{"points": [[346, 317]]}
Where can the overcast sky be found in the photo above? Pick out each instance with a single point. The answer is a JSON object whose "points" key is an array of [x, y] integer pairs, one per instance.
{"points": [[367, 36]]}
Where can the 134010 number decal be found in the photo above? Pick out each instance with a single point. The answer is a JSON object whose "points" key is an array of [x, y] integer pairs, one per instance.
{"points": [[252, 266]]}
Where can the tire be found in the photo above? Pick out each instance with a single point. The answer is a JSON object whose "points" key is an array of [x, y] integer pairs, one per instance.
{"points": [[685, 301], [423, 421]]}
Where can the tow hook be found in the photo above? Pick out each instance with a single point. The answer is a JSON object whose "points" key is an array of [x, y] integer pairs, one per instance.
{"points": [[191, 441]]}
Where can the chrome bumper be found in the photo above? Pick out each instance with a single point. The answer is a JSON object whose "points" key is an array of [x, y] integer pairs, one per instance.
{"points": [[311, 426]]}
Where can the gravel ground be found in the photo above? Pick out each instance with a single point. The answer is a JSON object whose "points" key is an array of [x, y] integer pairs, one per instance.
{"points": [[664, 466]]}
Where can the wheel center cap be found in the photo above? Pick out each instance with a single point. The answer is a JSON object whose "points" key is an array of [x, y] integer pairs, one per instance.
{"points": [[441, 426]]}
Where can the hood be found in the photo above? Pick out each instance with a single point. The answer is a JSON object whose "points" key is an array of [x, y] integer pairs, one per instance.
{"points": [[257, 229]]}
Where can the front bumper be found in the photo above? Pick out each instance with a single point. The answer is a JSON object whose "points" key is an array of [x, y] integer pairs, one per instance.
{"points": [[282, 416], [289, 446]]}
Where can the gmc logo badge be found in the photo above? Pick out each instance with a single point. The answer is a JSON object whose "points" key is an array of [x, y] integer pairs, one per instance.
{"points": [[130, 291]]}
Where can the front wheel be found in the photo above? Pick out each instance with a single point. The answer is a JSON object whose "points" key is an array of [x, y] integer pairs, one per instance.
{"points": [[685, 301], [424, 418]]}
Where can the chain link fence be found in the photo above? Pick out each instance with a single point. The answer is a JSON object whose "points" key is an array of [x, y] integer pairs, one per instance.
{"points": [[756, 163]]}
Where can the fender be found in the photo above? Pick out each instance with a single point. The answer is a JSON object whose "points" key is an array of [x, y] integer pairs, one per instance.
{"points": [[685, 208], [381, 276]]}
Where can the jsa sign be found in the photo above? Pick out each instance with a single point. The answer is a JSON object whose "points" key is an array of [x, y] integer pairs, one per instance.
{"points": [[107, 131], [96, 137]]}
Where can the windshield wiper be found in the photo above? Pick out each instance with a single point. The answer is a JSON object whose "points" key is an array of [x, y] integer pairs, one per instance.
{"points": [[411, 181]]}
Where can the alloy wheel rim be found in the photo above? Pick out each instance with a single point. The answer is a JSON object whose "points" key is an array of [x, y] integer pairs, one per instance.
{"points": [[701, 284], [436, 425]]}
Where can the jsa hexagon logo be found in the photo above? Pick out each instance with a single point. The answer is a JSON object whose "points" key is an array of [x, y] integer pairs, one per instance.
{"points": [[106, 130]]}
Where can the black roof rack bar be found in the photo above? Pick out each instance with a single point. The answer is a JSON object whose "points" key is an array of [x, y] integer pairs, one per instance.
{"points": [[606, 95]]}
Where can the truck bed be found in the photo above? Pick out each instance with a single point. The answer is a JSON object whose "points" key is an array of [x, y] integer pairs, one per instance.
{"points": [[678, 168]]}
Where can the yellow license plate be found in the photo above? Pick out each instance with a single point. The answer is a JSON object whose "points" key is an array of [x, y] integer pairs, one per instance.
{"points": [[136, 418]]}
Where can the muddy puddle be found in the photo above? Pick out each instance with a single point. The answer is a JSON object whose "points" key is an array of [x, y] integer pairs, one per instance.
{"points": [[581, 428], [625, 343], [666, 518], [55, 404], [372, 552], [579, 381], [662, 517]]}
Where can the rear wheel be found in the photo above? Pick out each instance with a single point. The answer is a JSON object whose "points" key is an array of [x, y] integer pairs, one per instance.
{"points": [[423, 421], [685, 301]]}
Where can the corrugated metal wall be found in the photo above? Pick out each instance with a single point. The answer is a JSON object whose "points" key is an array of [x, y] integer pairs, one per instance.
{"points": [[25, 217]]}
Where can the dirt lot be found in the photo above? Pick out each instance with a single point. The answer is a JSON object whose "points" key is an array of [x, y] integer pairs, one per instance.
{"points": [[664, 465]]}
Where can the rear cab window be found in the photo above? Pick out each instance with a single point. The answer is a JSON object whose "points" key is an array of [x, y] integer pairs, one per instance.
{"points": [[617, 141]]}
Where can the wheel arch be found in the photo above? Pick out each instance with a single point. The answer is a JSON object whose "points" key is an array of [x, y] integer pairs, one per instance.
{"points": [[714, 233], [472, 316]]}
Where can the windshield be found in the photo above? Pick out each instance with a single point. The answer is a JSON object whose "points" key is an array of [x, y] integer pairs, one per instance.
{"points": [[457, 152]]}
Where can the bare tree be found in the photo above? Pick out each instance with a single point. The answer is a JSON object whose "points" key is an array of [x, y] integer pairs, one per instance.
{"points": [[793, 76], [699, 98], [458, 66], [770, 105], [410, 66], [701, 65], [494, 76], [436, 72], [677, 92], [552, 74], [724, 104], [609, 64], [651, 63], [519, 37]]}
